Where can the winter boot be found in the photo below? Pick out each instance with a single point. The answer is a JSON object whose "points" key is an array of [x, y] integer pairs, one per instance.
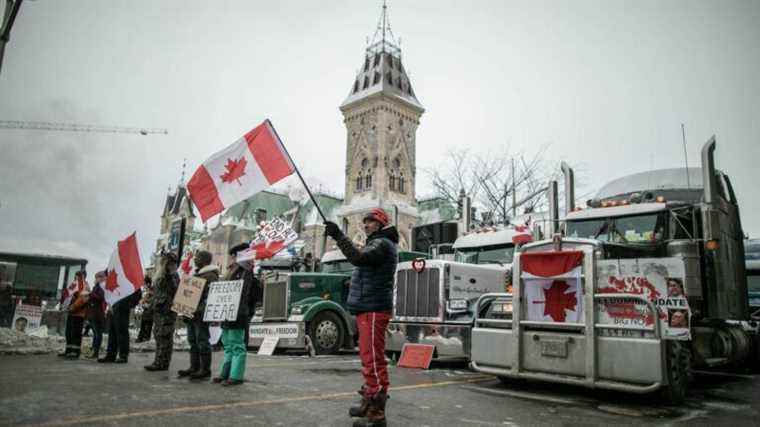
{"points": [[195, 363], [359, 410], [224, 374], [204, 370], [375, 416]]}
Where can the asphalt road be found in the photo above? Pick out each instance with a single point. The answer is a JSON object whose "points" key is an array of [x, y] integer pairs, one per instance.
{"points": [[290, 390]]}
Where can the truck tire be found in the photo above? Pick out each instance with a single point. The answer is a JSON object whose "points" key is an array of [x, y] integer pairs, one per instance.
{"points": [[326, 331], [677, 371]]}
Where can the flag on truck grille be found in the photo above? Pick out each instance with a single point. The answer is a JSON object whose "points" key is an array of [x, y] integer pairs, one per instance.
{"points": [[124, 275], [248, 166], [551, 282]]}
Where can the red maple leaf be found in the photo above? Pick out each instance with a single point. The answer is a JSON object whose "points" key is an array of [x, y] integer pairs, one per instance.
{"points": [[557, 301], [235, 169], [111, 282]]}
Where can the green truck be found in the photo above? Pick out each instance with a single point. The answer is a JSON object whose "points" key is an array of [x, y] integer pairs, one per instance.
{"points": [[307, 309]]}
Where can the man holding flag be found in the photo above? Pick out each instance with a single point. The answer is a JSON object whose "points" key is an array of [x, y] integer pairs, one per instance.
{"points": [[124, 278]]}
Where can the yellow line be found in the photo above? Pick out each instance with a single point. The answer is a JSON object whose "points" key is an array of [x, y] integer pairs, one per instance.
{"points": [[249, 403]]}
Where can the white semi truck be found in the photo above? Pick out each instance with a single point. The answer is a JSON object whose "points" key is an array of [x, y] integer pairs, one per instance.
{"points": [[647, 282]]}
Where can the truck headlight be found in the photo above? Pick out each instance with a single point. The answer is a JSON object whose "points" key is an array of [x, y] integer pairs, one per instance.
{"points": [[259, 311], [458, 304], [502, 307], [297, 309]]}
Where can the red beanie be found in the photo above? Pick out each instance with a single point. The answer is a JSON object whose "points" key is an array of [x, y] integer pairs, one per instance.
{"points": [[378, 215]]}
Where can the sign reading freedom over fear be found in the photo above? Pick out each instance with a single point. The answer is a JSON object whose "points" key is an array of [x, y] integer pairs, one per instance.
{"points": [[188, 296], [223, 301]]}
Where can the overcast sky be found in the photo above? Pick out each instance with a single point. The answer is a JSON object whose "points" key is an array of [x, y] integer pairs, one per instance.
{"points": [[606, 83]]}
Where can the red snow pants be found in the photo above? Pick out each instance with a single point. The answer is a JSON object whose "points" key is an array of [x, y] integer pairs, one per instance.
{"points": [[372, 327]]}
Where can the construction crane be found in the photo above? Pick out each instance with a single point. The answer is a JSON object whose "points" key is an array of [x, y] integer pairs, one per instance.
{"points": [[75, 127]]}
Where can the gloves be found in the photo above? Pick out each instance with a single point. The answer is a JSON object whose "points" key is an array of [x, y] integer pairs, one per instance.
{"points": [[332, 230]]}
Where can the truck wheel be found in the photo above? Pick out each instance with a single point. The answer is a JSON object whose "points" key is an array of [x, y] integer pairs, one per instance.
{"points": [[677, 371], [326, 332]]}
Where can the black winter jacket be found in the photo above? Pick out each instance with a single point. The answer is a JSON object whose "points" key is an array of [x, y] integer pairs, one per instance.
{"points": [[247, 298], [372, 279]]}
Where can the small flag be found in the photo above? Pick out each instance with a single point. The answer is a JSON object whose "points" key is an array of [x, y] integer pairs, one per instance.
{"points": [[124, 275], [248, 166]]}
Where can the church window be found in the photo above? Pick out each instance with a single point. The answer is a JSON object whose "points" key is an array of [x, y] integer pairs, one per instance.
{"points": [[366, 82], [366, 63], [368, 181], [356, 86], [377, 60], [399, 84], [376, 79], [389, 78], [365, 162], [392, 180], [396, 163], [359, 181], [401, 185]]}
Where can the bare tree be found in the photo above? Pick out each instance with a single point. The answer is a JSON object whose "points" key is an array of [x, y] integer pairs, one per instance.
{"points": [[501, 186]]}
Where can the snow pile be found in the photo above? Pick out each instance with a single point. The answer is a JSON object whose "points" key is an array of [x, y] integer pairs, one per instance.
{"points": [[14, 342]]}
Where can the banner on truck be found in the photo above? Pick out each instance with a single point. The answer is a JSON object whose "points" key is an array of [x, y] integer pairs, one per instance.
{"points": [[223, 301], [551, 283], [659, 280]]}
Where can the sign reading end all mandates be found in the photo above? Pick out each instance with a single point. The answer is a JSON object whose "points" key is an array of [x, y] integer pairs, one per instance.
{"points": [[223, 301]]}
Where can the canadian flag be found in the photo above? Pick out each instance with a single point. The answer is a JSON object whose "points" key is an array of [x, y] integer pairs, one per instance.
{"points": [[187, 266], [248, 166], [124, 275], [552, 286]]}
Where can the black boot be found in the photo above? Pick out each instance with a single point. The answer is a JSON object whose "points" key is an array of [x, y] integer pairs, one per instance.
{"points": [[359, 410], [375, 416], [224, 375], [195, 363], [204, 371]]}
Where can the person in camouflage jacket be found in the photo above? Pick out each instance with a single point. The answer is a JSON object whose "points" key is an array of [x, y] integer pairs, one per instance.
{"points": [[164, 319]]}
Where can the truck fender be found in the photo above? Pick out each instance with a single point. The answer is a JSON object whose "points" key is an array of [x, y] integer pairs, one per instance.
{"points": [[332, 306]]}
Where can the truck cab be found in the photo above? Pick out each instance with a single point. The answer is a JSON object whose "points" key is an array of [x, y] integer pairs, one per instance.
{"points": [[646, 283]]}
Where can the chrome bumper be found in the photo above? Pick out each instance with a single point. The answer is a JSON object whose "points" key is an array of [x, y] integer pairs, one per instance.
{"points": [[450, 340]]}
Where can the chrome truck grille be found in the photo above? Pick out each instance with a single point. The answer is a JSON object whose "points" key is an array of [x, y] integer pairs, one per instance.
{"points": [[418, 294], [276, 300]]}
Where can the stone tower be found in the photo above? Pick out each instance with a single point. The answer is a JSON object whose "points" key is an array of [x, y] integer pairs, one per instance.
{"points": [[381, 114]]}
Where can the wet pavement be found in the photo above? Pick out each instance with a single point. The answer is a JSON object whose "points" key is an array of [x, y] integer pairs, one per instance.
{"points": [[292, 390]]}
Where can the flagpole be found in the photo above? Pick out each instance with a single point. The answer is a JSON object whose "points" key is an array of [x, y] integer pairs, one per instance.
{"points": [[311, 196]]}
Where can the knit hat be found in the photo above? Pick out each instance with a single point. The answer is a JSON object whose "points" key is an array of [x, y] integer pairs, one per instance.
{"points": [[378, 215]]}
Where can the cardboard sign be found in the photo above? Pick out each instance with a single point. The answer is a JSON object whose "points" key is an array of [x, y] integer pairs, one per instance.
{"points": [[659, 280], [27, 318], [268, 345], [416, 356], [223, 301], [188, 296]]}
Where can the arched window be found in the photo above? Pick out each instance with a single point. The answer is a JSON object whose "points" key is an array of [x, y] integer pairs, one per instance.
{"points": [[402, 184], [392, 181], [368, 181], [359, 182], [365, 162]]}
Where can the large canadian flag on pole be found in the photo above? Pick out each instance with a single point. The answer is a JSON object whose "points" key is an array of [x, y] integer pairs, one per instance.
{"points": [[124, 274], [551, 282], [248, 166]]}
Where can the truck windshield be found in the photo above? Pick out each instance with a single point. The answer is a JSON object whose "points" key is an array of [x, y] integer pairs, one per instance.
{"points": [[337, 267], [487, 255], [753, 280], [628, 229]]}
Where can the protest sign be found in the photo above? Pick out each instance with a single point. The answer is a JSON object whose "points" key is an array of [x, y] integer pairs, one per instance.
{"points": [[27, 318], [223, 301], [188, 296], [658, 280]]}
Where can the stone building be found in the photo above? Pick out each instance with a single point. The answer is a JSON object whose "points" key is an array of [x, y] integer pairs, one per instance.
{"points": [[381, 114]]}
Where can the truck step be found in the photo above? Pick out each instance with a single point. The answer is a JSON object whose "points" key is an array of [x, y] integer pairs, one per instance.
{"points": [[716, 361]]}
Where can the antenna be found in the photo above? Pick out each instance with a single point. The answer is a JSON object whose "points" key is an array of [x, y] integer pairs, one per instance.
{"points": [[685, 156]]}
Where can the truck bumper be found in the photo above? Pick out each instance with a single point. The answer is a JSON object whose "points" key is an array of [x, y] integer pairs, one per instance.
{"points": [[292, 334], [450, 340]]}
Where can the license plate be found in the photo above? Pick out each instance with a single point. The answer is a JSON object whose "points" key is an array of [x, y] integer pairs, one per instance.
{"points": [[281, 330], [554, 348]]}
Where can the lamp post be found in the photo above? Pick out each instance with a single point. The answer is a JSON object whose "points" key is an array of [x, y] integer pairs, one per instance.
{"points": [[11, 11]]}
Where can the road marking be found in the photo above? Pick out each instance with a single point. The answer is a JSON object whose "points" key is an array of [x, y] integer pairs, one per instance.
{"points": [[243, 404], [525, 395]]}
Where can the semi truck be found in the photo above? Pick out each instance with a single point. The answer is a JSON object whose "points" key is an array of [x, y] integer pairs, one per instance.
{"points": [[433, 300], [647, 283]]}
